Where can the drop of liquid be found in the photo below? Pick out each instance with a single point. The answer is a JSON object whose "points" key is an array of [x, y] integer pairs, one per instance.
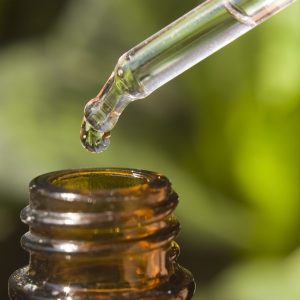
{"points": [[93, 140], [102, 113]]}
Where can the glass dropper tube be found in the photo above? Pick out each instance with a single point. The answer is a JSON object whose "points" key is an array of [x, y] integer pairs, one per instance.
{"points": [[168, 53]]}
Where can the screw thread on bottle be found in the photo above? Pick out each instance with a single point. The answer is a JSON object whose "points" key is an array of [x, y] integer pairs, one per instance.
{"points": [[101, 234]]}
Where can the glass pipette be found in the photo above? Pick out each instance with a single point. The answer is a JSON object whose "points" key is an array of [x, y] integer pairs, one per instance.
{"points": [[174, 49]]}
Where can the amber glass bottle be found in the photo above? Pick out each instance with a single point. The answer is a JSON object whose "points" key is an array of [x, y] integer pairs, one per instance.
{"points": [[101, 234]]}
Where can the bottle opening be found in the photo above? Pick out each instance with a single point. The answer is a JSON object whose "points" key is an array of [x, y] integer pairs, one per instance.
{"points": [[102, 190], [97, 182], [94, 181]]}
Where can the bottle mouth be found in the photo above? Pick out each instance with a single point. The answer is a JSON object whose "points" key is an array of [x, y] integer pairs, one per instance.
{"points": [[113, 206], [104, 181], [96, 188], [103, 197], [95, 181]]}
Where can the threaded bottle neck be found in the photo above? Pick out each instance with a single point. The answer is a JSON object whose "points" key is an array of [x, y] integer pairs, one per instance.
{"points": [[106, 228]]}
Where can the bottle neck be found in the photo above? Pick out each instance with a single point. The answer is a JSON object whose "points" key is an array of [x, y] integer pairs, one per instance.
{"points": [[110, 229]]}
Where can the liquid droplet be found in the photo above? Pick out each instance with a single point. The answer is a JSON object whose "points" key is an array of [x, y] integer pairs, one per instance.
{"points": [[93, 140], [102, 113]]}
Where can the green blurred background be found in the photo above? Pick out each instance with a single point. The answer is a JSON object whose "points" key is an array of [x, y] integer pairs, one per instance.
{"points": [[225, 132]]}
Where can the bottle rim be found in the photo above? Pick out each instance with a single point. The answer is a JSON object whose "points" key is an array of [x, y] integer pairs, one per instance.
{"points": [[122, 182]]}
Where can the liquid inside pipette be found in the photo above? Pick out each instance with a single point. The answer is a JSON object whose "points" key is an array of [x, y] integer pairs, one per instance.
{"points": [[163, 56], [102, 113], [92, 139]]}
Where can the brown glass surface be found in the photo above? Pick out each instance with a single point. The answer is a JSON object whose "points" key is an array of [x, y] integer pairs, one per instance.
{"points": [[101, 234]]}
